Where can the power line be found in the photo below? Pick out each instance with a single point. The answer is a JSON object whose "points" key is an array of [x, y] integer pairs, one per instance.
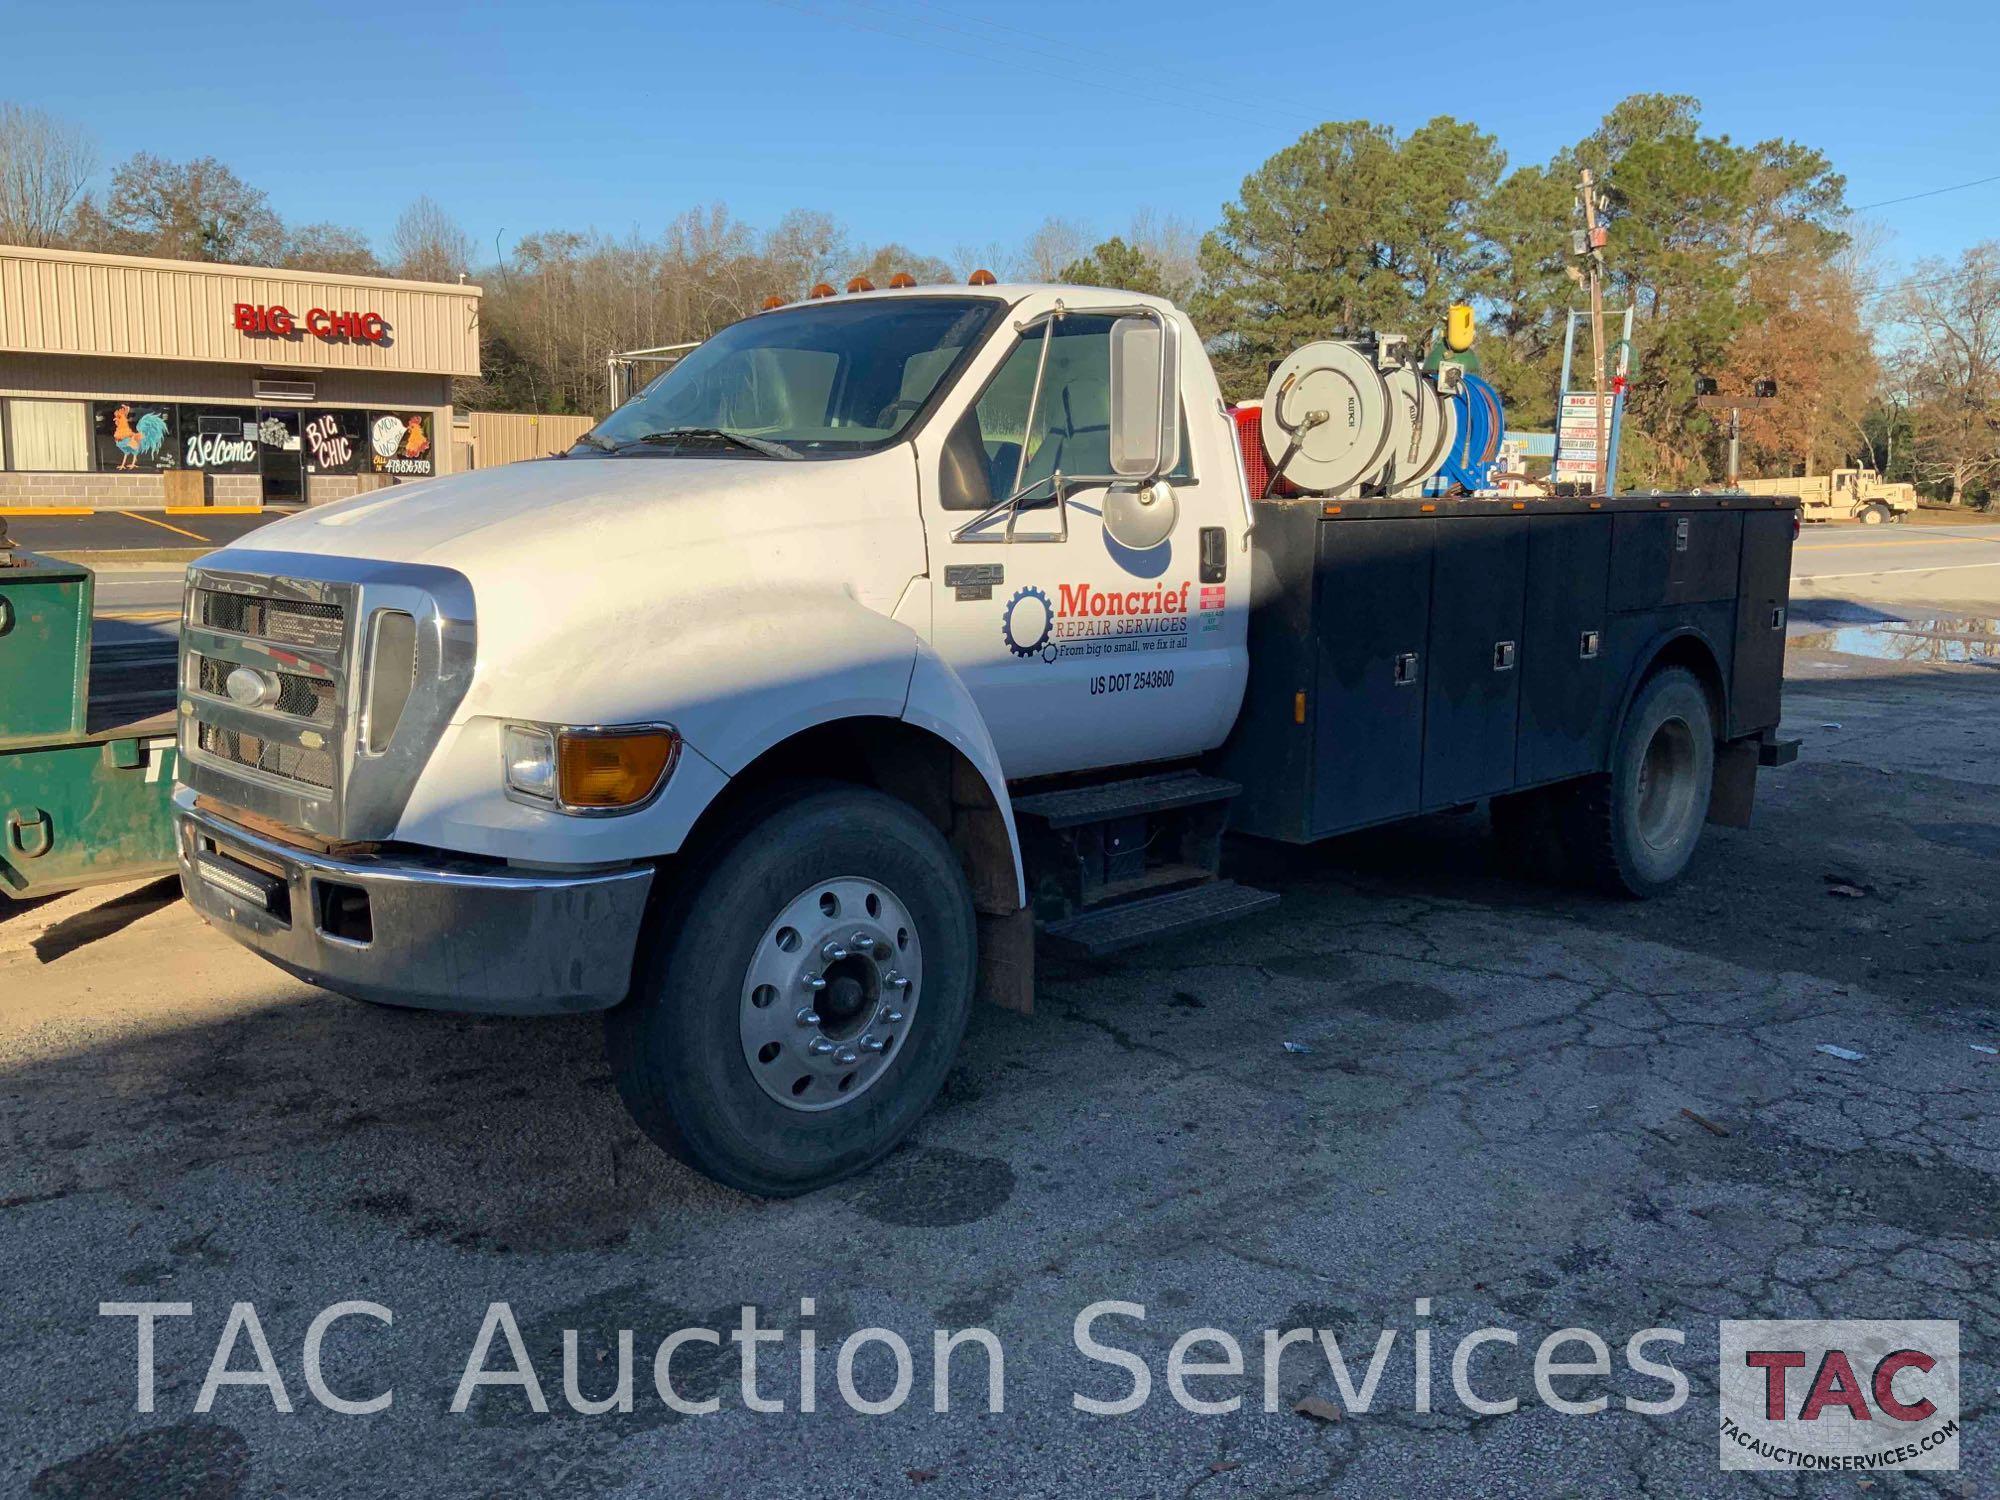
{"points": [[1956, 187]]}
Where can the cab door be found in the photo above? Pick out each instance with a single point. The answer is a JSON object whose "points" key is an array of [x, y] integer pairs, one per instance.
{"points": [[1080, 652]]}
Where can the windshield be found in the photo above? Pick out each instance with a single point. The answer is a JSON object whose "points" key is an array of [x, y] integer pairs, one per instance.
{"points": [[824, 379]]}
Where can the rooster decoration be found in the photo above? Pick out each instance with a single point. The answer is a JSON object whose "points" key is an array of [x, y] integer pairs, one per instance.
{"points": [[140, 440]]}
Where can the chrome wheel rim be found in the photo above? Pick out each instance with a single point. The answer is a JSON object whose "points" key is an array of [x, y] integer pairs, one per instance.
{"points": [[831, 993], [1666, 784]]}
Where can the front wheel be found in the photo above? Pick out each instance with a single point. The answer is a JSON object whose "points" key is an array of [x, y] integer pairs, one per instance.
{"points": [[1874, 515], [795, 1012], [1637, 827]]}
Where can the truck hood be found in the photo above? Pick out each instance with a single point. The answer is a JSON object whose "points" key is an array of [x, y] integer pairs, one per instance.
{"points": [[619, 589], [554, 508]]}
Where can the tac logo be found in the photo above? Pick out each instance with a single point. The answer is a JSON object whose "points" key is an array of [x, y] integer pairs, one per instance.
{"points": [[1836, 1395]]}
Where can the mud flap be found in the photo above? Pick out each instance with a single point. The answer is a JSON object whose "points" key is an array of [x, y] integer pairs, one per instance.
{"points": [[1735, 789]]}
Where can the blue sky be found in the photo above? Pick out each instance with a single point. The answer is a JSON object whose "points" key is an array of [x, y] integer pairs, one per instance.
{"points": [[955, 123]]}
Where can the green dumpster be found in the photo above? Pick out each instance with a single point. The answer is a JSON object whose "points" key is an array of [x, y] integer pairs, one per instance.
{"points": [[86, 737]]}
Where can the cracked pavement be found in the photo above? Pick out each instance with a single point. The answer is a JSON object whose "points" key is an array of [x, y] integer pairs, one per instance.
{"points": [[1491, 1116]]}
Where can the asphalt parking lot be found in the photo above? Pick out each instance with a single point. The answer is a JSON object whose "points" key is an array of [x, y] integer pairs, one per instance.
{"points": [[1536, 1109]]}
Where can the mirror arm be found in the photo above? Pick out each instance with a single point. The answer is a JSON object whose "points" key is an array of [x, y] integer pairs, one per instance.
{"points": [[1035, 394]]}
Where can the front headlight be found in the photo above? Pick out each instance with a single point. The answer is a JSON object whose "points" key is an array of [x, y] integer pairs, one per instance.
{"points": [[529, 753], [593, 769]]}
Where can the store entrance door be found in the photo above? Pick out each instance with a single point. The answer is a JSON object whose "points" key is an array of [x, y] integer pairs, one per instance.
{"points": [[281, 464]]}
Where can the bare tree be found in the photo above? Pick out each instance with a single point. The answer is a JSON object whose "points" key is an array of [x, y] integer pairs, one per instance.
{"points": [[192, 210], [428, 245], [44, 163], [1058, 243], [330, 247], [1171, 243], [805, 247], [1949, 363]]}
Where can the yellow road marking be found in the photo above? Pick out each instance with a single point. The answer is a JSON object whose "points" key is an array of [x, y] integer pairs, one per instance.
{"points": [[215, 510], [48, 510], [162, 524], [1861, 539]]}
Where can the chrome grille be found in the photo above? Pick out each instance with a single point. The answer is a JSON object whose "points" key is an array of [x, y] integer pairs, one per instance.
{"points": [[300, 696], [313, 767], [285, 622]]}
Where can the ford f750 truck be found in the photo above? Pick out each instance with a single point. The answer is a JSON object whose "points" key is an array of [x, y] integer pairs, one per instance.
{"points": [[882, 634]]}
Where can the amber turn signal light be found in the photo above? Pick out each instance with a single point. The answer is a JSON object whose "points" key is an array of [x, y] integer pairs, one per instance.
{"points": [[615, 768]]}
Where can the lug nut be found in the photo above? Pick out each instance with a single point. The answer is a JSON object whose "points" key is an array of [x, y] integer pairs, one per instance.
{"points": [[896, 981], [833, 953], [888, 1015], [861, 942], [808, 1017], [847, 1056], [871, 1044], [819, 1046], [812, 982]]}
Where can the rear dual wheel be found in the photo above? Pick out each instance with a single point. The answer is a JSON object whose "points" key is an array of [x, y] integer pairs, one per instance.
{"points": [[1630, 832], [795, 1010]]}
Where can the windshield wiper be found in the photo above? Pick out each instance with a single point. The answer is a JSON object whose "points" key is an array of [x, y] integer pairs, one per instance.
{"points": [[678, 435], [604, 444]]}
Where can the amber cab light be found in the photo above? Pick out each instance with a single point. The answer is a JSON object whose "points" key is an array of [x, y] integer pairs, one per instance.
{"points": [[774, 300], [981, 277], [820, 289], [861, 284], [900, 280], [610, 769]]}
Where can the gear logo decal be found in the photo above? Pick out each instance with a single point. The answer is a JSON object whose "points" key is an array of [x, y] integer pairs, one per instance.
{"points": [[1028, 622], [1085, 621]]}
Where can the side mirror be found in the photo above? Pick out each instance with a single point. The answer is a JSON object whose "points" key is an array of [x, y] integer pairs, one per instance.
{"points": [[1145, 396]]}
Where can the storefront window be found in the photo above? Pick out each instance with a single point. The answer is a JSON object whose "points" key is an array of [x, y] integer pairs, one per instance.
{"points": [[48, 435]]}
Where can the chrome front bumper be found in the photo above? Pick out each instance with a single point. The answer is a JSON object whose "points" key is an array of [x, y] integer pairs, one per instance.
{"points": [[440, 936]]}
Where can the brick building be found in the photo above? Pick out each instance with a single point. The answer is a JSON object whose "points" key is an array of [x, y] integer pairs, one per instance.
{"points": [[126, 381]]}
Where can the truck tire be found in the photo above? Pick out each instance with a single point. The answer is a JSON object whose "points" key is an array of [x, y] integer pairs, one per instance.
{"points": [[727, 1053], [1635, 829], [1874, 515]]}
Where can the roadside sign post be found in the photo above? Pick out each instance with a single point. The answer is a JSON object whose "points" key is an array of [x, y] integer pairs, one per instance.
{"points": [[1589, 420]]}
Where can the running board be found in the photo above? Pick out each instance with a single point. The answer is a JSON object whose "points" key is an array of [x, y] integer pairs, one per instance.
{"points": [[1108, 800], [1109, 929]]}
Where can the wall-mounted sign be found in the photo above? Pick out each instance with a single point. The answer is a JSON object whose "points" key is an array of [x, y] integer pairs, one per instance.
{"points": [[219, 439], [325, 324], [336, 442], [401, 443], [133, 435]]}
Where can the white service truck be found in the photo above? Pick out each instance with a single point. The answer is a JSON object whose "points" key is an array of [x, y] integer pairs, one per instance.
{"points": [[883, 634]]}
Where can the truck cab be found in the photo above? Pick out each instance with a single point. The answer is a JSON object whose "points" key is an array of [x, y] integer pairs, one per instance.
{"points": [[882, 633]]}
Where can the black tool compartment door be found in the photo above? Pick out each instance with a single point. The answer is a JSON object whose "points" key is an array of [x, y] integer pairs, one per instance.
{"points": [[1568, 688], [1371, 611], [1759, 667], [1472, 694]]}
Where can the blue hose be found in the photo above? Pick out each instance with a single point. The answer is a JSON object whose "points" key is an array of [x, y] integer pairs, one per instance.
{"points": [[1481, 421]]}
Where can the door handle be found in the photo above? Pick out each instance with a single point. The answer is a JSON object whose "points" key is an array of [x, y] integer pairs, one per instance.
{"points": [[1406, 669], [1503, 656], [30, 831]]}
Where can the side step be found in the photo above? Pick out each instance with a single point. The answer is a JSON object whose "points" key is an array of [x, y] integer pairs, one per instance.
{"points": [[1107, 800], [1108, 929]]}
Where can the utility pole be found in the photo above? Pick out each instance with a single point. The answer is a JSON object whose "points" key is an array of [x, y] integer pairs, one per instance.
{"points": [[1594, 245]]}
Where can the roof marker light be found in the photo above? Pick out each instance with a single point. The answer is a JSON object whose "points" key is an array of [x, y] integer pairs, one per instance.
{"points": [[774, 300], [861, 284], [981, 277], [820, 289], [902, 279]]}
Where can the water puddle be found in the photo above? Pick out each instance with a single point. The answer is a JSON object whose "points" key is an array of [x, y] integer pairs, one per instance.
{"points": [[1966, 638]]}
